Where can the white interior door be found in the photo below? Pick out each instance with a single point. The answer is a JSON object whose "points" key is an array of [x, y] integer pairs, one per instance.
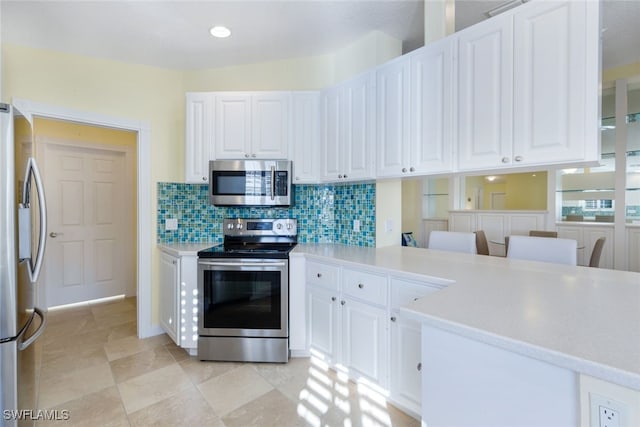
{"points": [[89, 206]]}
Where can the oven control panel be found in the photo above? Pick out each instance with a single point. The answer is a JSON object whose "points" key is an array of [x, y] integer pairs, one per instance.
{"points": [[260, 227]]}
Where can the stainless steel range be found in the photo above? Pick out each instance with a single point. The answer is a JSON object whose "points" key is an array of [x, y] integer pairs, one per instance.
{"points": [[243, 288]]}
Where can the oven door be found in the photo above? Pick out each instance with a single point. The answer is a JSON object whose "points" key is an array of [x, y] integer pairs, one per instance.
{"points": [[243, 297]]}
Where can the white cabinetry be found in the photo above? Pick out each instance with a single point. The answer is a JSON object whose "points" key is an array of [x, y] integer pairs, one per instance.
{"points": [[348, 130], [252, 125], [199, 137], [177, 294], [169, 288], [406, 354], [305, 137], [414, 112], [485, 94], [528, 87], [323, 310], [393, 101], [586, 236]]}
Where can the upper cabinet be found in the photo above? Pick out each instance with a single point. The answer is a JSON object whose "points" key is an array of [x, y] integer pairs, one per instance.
{"points": [[348, 130], [528, 87], [414, 113], [305, 137], [199, 140], [252, 125]]}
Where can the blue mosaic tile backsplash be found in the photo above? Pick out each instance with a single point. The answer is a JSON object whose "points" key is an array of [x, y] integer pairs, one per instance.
{"points": [[325, 213]]}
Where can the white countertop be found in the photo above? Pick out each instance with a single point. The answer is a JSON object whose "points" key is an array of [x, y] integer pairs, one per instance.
{"points": [[184, 249], [579, 318]]}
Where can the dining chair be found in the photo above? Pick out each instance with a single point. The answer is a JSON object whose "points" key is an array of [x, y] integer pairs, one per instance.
{"points": [[559, 251], [452, 241], [543, 233], [597, 251], [482, 246]]}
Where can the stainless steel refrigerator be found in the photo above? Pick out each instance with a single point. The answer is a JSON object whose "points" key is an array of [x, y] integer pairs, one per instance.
{"points": [[23, 226]]}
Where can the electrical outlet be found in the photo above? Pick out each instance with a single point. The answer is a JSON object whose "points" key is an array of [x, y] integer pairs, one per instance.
{"points": [[606, 412], [356, 225], [171, 224], [608, 417]]}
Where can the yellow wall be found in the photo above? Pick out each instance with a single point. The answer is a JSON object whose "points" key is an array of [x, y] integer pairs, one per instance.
{"points": [[526, 191], [412, 207]]}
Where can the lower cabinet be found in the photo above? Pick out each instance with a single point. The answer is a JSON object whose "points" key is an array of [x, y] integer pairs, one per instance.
{"points": [[354, 322], [168, 294], [177, 293]]}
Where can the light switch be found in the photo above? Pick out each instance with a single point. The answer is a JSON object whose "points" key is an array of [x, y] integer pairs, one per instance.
{"points": [[171, 224]]}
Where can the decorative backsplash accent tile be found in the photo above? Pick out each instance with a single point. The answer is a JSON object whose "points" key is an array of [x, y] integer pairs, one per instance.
{"points": [[325, 213]]}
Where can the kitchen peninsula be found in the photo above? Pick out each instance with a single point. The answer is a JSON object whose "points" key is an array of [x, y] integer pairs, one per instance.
{"points": [[500, 337]]}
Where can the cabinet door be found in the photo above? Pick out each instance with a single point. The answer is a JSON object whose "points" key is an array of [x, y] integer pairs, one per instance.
{"points": [[305, 139], [431, 76], [168, 292], [406, 357], [485, 94], [233, 126], [322, 312], [549, 83], [359, 127], [392, 117], [633, 248], [331, 135], [198, 139], [364, 341], [270, 125]]}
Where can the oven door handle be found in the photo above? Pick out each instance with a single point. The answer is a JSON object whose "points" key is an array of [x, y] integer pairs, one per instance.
{"points": [[273, 182], [243, 264]]}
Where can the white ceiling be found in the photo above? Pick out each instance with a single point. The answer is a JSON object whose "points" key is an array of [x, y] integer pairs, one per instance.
{"points": [[174, 34]]}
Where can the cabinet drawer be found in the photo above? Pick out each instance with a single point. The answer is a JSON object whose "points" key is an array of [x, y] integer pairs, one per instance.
{"points": [[405, 291], [322, 274], [365, 286]]}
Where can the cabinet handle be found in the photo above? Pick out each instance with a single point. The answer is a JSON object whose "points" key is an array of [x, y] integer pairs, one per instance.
{"points": [[340, 176], [505, 160], [174, 262], [319, 275], [246, 155], [345, 176], [253, 155], [360, 285], [412, 169], [393, 318], [333, 298], [416, 298], [404, 170], [518, 158], [204, 178], [419, 367], [343, 302]]}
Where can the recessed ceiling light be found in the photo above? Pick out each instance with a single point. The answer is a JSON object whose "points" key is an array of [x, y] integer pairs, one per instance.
{"points": [[220, 31]]}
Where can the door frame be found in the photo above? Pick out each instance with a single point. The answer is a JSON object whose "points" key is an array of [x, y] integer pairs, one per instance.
{"points": [[146, 328]]}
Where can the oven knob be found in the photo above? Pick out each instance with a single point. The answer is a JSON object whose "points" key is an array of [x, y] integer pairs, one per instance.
{"points": [[279, 226], [239, 226], [230, 226], [288, 226]]}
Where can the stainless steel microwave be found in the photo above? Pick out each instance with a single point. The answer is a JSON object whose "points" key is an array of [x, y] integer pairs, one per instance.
{"points": [[250, 182]]}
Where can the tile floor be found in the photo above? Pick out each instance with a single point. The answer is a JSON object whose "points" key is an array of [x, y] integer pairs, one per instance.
{"points": [[94, 367]]}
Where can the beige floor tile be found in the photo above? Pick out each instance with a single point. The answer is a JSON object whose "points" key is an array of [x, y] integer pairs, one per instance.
{"points": [[123, 330], [103, 408], [233, 389], [55, 317], [178, 353], [270, 409], [153, 387], [289, 378], [188, 408], [62, 388], [128, 346], [199, 372], [68, 328], [56, 363], [140, 363], [107, 320]]}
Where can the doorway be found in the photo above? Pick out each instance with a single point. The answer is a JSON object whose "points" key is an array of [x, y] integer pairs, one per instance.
{"points": [[90, 185], [30, 109], [497, 201]]}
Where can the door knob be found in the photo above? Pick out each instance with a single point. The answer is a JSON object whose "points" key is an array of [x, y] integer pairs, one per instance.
{"points": [[54, 234]]}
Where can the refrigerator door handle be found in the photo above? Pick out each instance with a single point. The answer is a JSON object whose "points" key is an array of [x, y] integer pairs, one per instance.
{"points": [[24, 343], [33, 171]]}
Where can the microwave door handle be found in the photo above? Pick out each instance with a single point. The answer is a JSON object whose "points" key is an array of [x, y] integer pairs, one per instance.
{"points": [[273, 182]]}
